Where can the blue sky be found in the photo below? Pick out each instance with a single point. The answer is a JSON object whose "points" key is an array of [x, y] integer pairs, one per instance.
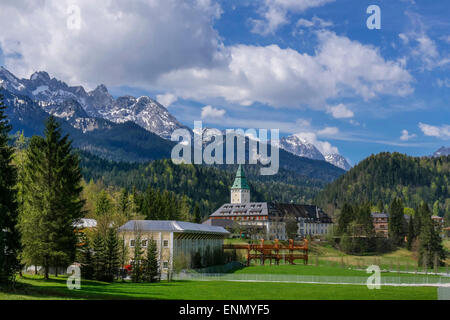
{"points": [[307, 67]]}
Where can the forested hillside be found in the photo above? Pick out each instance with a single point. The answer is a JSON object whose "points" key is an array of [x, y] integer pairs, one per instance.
{"points": [[207, 186], [385, 176]]}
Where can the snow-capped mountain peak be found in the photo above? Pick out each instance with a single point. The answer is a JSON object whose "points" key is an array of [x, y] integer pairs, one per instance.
{"points": [[338, 160], [301, 147], [442, 151], [52, 95]]}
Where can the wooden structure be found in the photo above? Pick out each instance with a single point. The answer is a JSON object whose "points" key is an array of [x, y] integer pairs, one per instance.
{"points": [[275, 251]]}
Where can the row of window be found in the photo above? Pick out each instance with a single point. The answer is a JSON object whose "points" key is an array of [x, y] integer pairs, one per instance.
{"points": [[144, 243]]}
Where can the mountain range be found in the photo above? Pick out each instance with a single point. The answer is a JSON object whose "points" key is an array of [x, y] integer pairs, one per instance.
{"points": [[302, 148], [125, 128], [442, 151]]}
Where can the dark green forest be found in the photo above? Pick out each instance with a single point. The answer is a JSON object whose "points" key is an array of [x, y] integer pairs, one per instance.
{"points": [[206, 186], [383, 177]]}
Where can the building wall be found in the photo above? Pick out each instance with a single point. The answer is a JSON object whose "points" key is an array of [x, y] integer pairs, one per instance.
{"points": [[163, 243], [171, 245], [240, 196]]}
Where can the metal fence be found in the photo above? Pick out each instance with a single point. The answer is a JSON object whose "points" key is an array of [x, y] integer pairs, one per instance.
{"points": [[413, 280]]}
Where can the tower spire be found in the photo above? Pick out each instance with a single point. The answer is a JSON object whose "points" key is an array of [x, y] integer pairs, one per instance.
{"points": [[240, 191]]}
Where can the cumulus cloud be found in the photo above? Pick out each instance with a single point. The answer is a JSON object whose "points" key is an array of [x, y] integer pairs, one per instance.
{"points": [[324, 146], [118, 42], [406, 136], [314, 22], [442, 132], [421, 47], [340, 111], [211, 112], [274, 13], [171, 46], [287, 78], [166, 99]]}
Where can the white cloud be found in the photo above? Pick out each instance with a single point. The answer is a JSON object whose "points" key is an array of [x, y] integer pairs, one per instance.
{"points": [[340, 111], [442, 132], [118, 43], [171, 46], [314, 22], [421, 47], [211, 112], [275, 13], [406, 136], [324, 146], [166, 99], [328, 131], [443, 83], [288, 78]]}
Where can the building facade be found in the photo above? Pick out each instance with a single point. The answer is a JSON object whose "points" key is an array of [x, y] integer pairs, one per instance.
{"points": [[267, 219], [381, 223], [173, 239]]}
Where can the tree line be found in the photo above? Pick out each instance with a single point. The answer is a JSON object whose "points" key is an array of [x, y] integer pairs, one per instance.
{"points": [[415, 231]]}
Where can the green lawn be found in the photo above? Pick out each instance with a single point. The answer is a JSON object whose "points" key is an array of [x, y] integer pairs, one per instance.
{"points": [[35, 288], [322, 270]]}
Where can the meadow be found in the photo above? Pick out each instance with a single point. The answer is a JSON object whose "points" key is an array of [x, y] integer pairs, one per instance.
{"points": [[55, 288]]}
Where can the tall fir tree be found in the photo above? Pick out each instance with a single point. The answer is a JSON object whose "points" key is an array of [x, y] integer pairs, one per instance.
{"points": [[411, 233], [151, 269], [9, 235], [396, 222], [112, 257], [197, 214], [137, 265], [345, 217], [430, 243], [52, 204], [99, 263], [85, 258]]}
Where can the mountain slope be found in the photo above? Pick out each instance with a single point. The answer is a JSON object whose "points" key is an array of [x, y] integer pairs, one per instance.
{"points": [[301, 147], [388, 175], [442, 151], [97, 103]]}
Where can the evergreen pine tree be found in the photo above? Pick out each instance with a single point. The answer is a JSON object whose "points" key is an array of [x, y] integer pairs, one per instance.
{"points": [[430, 243], [396, 222], [9, 235], [123, 256], [111, 255], [151, 270], [197, 215], [85, 258], [99, 262], [137, 265], [52, 204], [411, 233], [344, 218]]}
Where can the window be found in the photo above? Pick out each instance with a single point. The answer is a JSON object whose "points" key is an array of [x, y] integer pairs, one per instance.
{"points": [[132, 243], [165, 243], [165, 264], [144, 243]]}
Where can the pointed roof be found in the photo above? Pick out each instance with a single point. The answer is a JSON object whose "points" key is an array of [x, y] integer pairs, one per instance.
{"points": [[240, 182]]}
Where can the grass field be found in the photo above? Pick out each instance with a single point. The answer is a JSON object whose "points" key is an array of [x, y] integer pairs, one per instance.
{"points": [[36, 288], [324, 261]]}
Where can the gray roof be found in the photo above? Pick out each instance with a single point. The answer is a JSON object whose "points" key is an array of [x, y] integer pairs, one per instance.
{"points": [[379, 215], [171, 226], [251, 208], [274, 211], [86, 223]]}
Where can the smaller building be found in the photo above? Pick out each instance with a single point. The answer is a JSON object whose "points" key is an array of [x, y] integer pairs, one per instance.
{"points": [[173, 239], [381, 223]]}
